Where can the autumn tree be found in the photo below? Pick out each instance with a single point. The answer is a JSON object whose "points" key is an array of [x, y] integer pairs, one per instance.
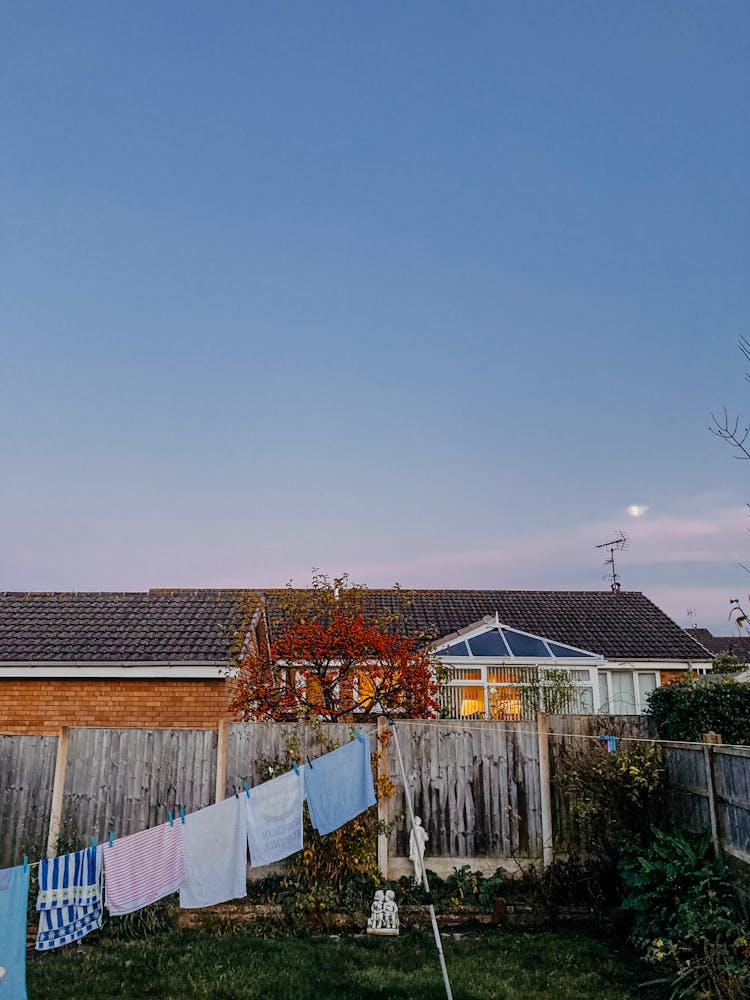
{"points": [[334, 654]]}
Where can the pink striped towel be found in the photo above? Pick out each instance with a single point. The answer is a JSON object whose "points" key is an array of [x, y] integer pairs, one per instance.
{"points": [[143, 867]]}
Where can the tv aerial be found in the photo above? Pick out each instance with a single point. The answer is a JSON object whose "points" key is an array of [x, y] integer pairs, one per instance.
{"points": [[614, 545]]}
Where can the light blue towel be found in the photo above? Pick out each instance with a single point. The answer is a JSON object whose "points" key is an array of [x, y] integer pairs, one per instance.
{"points": [[338, 785], [70, 898], [14, 895]]}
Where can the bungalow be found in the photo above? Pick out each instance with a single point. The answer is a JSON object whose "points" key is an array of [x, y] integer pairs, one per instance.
{"points": [[501, 650], [167, 658]]}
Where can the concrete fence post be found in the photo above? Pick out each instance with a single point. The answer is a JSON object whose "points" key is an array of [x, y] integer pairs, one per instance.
{"points": [[542, 728], [221, 760], [711, 740], [58, 787]]}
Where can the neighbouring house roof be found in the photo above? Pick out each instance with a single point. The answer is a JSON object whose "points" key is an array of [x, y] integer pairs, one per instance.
{"points": [[161, 625], [736, 645], [622, 626], [206, 625]]}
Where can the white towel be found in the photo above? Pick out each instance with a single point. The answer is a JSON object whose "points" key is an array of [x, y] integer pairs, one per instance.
{"points": [[274, 818], [215, 842], [143, 867]]}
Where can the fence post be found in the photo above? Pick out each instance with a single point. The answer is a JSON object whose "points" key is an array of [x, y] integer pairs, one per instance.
{"points": [[383, 738], [710, 740], [548, 855], [58, 787], [221, 761]]}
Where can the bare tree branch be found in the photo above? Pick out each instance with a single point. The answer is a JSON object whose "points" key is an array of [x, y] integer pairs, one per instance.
{"points": [[744, 346], [730, 432]]}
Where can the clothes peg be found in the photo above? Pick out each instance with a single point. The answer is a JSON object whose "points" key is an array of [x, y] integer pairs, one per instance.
{"points": [[170, 817], [295, 766], [25, 862], [111, 838], [359, 736], [93, 842], [182, 814], [309, 762], [247, 790], [236, 794]]}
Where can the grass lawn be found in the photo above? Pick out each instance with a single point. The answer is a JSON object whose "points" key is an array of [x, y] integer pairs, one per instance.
{"points": [[498, 966]]}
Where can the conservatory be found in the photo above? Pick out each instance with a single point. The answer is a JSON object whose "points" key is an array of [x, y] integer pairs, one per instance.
{"points": [[493, 671]]}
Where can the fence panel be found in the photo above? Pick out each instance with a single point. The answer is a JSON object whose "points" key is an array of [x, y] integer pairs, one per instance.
{"points": [[27, 768], [475, 784], [125, 780], [251, 746], [733, 790], [570, 737], [687, 786]]}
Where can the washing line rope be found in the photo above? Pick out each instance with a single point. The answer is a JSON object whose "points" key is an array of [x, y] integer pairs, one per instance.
{"points": [[488, 728]]}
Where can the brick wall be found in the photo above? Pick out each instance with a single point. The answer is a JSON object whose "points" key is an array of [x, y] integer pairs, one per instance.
{"points": [[41, 706]]}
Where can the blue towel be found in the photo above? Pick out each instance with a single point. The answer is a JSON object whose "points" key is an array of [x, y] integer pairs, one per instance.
{"points": [[338, 786], [70, 898], [14, 895]]}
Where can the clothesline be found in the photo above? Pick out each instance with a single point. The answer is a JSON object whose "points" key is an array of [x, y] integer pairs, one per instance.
{"points": [[315, 799], [451, 723], [533, 731], [493, 728], [205, 859]]}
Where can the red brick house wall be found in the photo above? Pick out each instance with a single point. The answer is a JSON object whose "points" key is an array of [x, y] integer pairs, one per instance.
{"points": [[40, 706]]}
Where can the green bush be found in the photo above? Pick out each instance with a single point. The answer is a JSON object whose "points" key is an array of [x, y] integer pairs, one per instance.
{"points": [[689, 708], [686, 917], [613, 798]]}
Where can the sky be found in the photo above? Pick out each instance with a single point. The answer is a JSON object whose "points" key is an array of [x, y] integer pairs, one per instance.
{"points": [[423, 292]]}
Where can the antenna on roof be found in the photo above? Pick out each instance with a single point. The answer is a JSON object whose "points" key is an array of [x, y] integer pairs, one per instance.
{"points": [[691, 614], [614, 545]]}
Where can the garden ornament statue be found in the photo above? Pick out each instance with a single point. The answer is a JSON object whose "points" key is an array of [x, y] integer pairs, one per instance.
{"points": [[390, 911], [383, 917], [417, 840]]}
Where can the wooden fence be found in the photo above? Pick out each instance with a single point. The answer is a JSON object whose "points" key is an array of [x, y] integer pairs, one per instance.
{"points": [[479, 786], [474, 784], [709, 789], [27, 766]]}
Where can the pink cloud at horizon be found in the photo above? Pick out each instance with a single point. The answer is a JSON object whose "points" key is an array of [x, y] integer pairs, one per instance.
{"points": [[712, 539]]}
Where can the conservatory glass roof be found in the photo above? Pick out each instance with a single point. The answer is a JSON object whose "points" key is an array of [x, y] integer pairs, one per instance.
{"points": [[498, 641]]}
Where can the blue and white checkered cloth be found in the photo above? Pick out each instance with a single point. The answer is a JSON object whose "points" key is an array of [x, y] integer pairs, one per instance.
{"points": [[70, 897]]}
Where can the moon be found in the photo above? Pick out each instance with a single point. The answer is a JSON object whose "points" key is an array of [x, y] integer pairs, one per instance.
{"points": [[637, 509]]}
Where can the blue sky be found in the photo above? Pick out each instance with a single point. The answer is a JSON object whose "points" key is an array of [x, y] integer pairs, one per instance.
{"points": [[426, 292]]}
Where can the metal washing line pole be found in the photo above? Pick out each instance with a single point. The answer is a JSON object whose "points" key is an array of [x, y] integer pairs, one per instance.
{"points": [[435, 929]]}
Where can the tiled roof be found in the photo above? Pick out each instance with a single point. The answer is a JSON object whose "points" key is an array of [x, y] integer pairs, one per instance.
{"points": [[198, 625], [625, 626], [203, 625], [737, 645]]}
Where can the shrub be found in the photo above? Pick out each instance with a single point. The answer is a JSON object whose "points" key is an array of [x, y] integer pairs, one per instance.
{"points": [[686, 917], [613, 798], [689, 708], [727, 663]]}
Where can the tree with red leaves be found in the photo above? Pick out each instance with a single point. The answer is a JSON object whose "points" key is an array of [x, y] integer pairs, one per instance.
{"points": [[331, 660]]}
